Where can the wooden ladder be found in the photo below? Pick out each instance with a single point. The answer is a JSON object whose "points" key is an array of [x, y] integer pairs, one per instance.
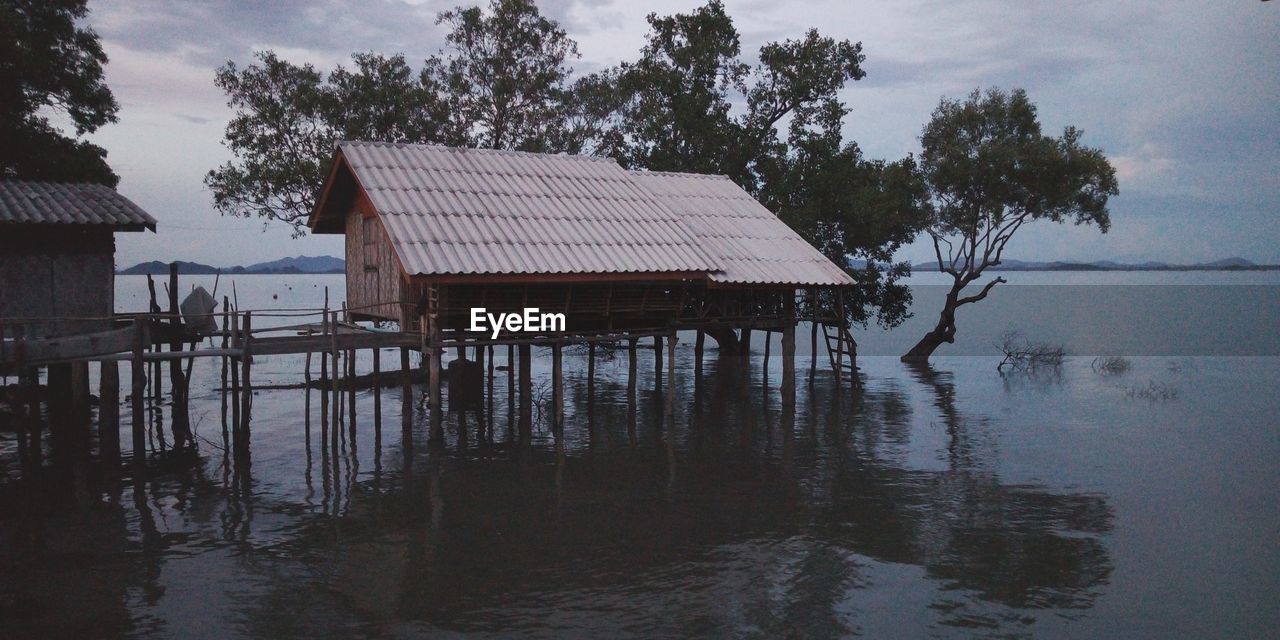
{"points": [[841, 347]]}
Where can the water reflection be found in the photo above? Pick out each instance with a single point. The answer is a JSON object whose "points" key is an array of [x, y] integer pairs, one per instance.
{"points": [[741, 517]]}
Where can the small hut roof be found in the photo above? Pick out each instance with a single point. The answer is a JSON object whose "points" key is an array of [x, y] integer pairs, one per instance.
{"points": [[750, 244], [57, 203], [471, 211], [451, 211]]}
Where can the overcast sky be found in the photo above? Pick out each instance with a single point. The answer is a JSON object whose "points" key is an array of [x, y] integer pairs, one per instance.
{"points": [[1182, 96]]}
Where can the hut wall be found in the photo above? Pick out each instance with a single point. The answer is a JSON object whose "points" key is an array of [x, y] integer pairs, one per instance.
{"points": [[373, 271], [57, 273]]}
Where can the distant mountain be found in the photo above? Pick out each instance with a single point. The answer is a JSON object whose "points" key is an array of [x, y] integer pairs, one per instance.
{"points": [[156, 268], [1109, 265], [300, 264]]}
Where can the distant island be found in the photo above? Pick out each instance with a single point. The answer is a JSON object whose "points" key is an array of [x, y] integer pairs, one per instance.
{"points": [[330, 264], [300, 264], [1227, 264]]}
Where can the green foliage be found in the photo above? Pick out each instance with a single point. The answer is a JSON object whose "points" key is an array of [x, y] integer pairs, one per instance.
{"points": [[990, 170], [507, 84], [688, 103], [50, 67], [502, 84], [676, 113]]}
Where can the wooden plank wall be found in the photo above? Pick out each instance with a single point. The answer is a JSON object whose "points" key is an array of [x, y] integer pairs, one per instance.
{"points": [[374, 278]]}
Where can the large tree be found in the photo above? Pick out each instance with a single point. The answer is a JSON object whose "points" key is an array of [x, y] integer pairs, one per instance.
{"points": [[501, 83], [782, 142], [51, 72], [990, 170]]}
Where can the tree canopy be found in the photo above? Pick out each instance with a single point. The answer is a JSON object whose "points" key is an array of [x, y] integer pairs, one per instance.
{"points": [[689, 102], [989, 170], [51, 69]]}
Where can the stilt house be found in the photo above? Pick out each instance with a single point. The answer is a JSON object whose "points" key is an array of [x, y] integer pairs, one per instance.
{"points": [[57, 253], [435, 231]]}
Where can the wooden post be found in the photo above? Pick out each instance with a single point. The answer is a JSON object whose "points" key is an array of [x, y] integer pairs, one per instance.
{"points": [[557, 386], [236, 343], [526, 394], [789, 350], [351, 393], [768, 342], [377, 390], [226, 317], [591, 370], [333, 381], [745, 342], [631, 366], [246, 395], [698, 346], [813, 335], [657, 363], [109, 411], [489, 401], [80, 415], [180, 422], [29, 405], [431, 321], [406, 393], [670, 396], [137, 371]]}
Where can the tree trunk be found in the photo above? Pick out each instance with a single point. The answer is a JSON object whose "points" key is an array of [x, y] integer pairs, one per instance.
{"points": [[726, 340], [945, 331]]}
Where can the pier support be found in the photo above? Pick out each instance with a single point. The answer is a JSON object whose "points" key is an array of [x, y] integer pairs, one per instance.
{"points": [[789, 352], [109, 413], [406, 393], [526, 394], [431, 325], [137, 370], [557, 387], [657, 364]]}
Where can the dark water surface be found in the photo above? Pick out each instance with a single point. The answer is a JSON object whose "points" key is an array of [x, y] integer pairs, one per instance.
{"points": [[946, 501]]}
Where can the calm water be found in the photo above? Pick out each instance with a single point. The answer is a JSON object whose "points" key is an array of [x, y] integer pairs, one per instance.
{"points": [[947, 501]]}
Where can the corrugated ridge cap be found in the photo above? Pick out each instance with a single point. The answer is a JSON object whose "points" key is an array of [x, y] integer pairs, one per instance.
{"points": [[448, 149]]}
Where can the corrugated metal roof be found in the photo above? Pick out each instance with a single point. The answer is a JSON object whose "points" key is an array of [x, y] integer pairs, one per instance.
{"points": [[25, 202], [750, 243], [471, 211]]}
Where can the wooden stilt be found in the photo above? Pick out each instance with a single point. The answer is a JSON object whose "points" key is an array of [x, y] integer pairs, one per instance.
{"points": [[489, 400], [657, 363], [764, 369], [137, 370], [698, 347], [334, 390], [557, 386], [526, 394], [29, 386], [226, 316], [431, 327], [631, 366], [789, 351], [670, 396], [377, 390], [591, 371], [180, 423], [109, 412], [813, 335], [406, 392], [236, 342], [246, 395]]}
